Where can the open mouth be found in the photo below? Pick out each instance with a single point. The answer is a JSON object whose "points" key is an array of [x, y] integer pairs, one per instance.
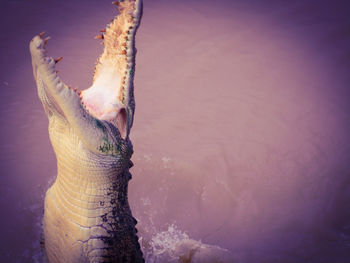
{"points": [[110, 97]]}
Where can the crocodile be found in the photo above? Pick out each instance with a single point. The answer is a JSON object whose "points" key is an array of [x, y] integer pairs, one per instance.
{"points": [[87, 217]]}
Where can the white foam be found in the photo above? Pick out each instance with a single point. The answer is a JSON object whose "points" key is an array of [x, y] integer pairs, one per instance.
{"points": [[175, 246]]}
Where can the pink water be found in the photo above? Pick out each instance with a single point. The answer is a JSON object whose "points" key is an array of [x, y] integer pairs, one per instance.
{"points": [[240, 135]]}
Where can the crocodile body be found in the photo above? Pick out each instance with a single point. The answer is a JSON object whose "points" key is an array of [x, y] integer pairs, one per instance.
{"points": [[87, 217]]}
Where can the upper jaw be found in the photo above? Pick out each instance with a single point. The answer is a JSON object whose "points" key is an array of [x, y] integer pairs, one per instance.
{"points": [[45, 74], [39, 55]]}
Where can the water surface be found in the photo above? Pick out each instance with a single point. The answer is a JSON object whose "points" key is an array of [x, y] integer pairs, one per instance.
{"points": [[241, 132]]}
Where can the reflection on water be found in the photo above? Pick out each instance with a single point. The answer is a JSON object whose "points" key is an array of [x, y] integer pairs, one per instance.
{"points": [[240, 135]]}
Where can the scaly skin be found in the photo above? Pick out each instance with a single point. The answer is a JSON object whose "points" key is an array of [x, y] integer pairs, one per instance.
{"points": [[87, 216]]}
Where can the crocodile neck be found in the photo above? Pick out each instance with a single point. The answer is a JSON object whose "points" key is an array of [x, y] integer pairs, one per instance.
{"points": [[87, 206]]}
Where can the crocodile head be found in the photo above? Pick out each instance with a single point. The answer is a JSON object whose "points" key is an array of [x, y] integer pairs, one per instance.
{"points": [[109, 102]]}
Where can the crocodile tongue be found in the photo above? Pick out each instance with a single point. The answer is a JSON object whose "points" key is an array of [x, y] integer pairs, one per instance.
{"points": [[102, 99]]}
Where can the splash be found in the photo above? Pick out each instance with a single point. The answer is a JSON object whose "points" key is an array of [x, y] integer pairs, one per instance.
{"points": [[175, 246]]}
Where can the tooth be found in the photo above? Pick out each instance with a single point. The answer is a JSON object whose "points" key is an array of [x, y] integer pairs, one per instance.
{"points": [[42, 34], [46, 39], [58, 59], [99, 37]]}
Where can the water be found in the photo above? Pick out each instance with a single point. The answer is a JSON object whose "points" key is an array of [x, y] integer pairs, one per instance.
{"points": [[240, 133]]}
